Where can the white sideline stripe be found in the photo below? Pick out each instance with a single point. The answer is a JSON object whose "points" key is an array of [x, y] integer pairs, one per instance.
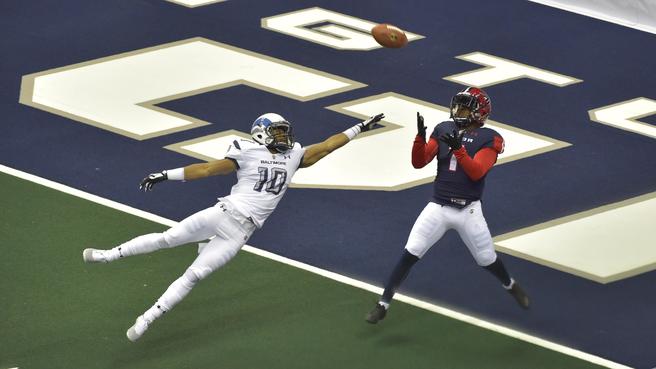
{"points": [[328, 274]]}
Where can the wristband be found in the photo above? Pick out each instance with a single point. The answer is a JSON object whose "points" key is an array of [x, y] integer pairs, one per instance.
{"points": [[175, 174], [353, 131]]}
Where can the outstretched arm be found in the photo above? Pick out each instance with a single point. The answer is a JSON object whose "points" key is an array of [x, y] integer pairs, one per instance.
{"points": [[316, 152], [212, 168], [193, 171]]}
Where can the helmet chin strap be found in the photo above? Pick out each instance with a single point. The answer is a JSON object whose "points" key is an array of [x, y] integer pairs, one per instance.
{"points": [[279, 147], [461, 123], [471, 124]]}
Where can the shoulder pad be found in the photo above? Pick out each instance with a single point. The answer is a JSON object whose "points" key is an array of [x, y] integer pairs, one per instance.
{"points": [[446, 126], [244, 144], [490, 131]]}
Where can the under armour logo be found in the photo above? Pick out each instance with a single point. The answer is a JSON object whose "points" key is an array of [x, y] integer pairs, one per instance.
{"points": [[471, 211]]}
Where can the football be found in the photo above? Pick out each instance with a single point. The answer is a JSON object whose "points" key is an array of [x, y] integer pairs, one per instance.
{"points": [[389, 36]]}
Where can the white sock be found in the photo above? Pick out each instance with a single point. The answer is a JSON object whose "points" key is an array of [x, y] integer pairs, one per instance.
{"points": [[154, 312], [508, 287], [112, 254], [385, 304]]}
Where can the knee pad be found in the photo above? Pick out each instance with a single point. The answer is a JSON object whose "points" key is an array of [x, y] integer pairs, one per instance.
{"points": [[193, 275], [485, 258], [168, 240], [162, 242]]}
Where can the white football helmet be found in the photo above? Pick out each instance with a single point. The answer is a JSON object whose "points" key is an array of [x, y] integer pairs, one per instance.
{"points": [[273, 131]]}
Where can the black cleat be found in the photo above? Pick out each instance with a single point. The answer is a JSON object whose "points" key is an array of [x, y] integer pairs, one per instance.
{"points": [[520, 296], [378, 313]]}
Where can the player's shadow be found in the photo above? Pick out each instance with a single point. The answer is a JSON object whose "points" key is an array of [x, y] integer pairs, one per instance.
{"points": [[164, 339], [385, 334], [396, 340], [177, 341]]}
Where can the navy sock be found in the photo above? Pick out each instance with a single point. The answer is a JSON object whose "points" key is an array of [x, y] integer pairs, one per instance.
{"points": [[499, 270], [399, 273]]}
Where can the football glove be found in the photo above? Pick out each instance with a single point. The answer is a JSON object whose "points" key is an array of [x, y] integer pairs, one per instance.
{"points": [[421, 128], [148, 182], [369, 123], [454, 140]]}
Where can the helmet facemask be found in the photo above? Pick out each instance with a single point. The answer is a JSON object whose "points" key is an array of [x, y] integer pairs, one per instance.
{"points": [[280, 136], [463, 107]]}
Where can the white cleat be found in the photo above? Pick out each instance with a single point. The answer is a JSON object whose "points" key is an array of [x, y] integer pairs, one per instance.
{"points": [[138, 329], [94, 256]]}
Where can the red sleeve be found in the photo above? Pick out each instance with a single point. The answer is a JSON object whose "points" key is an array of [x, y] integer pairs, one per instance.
{"points": [[477, 167], [422, 152]]}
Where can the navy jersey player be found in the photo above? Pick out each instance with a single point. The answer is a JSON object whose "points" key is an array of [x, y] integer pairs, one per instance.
{"points": [[264, 169], [465, 151]]}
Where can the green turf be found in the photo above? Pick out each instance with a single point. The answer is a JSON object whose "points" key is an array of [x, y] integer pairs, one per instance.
{"points": [[57, 312]]}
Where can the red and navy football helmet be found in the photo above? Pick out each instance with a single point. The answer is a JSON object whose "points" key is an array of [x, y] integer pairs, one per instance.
{"points": [[476, 101]]}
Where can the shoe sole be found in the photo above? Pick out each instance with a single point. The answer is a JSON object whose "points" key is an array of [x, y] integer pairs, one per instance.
{"points": [[373, 320], [132, 334], [522, 300], [87, 255], [524, 304]]}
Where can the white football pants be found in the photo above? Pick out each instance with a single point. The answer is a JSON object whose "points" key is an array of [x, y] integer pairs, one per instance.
{"points": [[228, 230], [469, 222]]}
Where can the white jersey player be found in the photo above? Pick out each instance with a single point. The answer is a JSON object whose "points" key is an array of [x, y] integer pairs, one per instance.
{"points": [[264, 170]]}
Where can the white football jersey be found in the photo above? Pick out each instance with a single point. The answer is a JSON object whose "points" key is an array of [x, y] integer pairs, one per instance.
{"points": [[262, 177]]}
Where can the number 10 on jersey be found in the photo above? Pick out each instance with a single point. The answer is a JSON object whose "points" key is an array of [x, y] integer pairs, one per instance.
{"points": [[273, 185]]}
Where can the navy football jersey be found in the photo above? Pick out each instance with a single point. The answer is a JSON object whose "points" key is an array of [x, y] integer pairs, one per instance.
{"points": [[452, 185]]}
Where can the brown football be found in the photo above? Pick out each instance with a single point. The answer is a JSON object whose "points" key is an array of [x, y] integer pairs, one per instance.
{"points": [[388, 35]]}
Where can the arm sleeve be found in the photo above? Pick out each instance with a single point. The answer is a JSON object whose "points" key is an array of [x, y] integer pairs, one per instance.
{"points": [[422, 152], [477, 167]]}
